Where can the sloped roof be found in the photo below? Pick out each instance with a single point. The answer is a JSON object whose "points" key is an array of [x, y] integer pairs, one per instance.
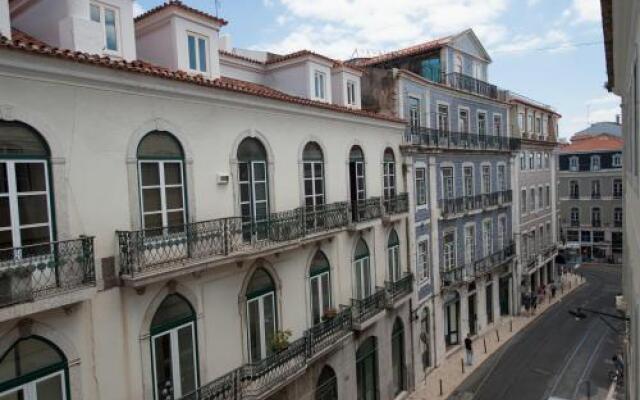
{"points": [[610, 128], [180, 5], [406, 52], [35, 47], [602, 142]]}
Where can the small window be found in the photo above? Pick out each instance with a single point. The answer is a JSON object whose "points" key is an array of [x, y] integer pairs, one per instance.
{"points": [[616, 160], [575, 216], [531, 161], [538, 125], [573, 163], [539, 160], [598, 236], [595, 163], [546, 160], [319, 79], [197, 52], [521, 122], [523, 201], [351, 93], [547, 196], [423, 260], [573, 236], [107, 17], [530, 123], [482, 123], [523, 161], [421, 187], [497, 125]]}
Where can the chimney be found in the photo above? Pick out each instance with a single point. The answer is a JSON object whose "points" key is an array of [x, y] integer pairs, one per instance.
{"points": [[225, 43], [5, 19]]}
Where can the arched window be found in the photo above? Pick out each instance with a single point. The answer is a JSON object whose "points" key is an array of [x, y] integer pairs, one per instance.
{"points": [[313, 179], [363, 279], [393, 256], [327, 388], [173, 350], [389, 175], [320, 281], [161, 171], [253, 178], [357, 183], [397, 357], [261, 314], [25, 192], [367, 369], [33, 368]]}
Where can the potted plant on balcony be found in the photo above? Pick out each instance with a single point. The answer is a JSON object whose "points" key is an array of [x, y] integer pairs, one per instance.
{"points": [[280, 341], [329, 314]]}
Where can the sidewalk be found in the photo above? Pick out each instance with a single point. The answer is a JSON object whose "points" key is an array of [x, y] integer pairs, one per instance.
{"points": [[442, 381]]}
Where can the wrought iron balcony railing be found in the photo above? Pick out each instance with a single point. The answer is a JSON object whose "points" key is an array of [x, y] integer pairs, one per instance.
{"points": [[366, 210], [363, 309], [149, 250], [38, 271], [595, 196], [574, 224], [489, 263], [396, 204], [458, 205], [470, 84], [574, 196], [617, 224], [400, 288], [549, 250], [596, 223], [617, 195], [257, 380], [450, 140], [457, 276]]}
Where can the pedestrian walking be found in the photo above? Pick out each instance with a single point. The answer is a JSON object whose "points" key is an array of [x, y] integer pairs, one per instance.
{"points": [[468, 345], [553, 289], [534, 302]]}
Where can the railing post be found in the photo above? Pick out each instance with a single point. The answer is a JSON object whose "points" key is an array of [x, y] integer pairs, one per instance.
{"points": [[225, 236]]}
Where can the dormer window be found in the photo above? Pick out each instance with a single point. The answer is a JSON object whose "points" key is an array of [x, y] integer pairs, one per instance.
{"points": [[617, 160], [573, 163], [107, 17], [595, 163], [351, 93], [320, 81], [197, 52]]}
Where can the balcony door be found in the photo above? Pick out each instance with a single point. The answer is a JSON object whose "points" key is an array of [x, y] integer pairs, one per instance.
{"points": [[399, 372], [327, 387], [320, 286], [357, 182], [452, 320], [367, 370], [389, 175], [313, 181], [34, 369], [448, 191], [173, 349], [253, 178], [393, 257], [363, 282], [25, 193], [261, 315]]}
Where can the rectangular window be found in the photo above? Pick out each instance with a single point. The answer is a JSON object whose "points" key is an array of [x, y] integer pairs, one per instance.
{"points": [[573, 164], [449, 250], [585, 236], [497, 125], [532, 199], [486, 179], [162, 189], [351, 93], [547, 162], [468, 181], [575, 217], [197, 52], [574, 190], [540, 198], [482, 124], [414, 113], [319, 79], [573, 236], [469, 244], [502, 232], [595, 163], [423, 260], [463, 121], [538, 125], [617, 188], [530, 123], [598, 236], [502, 183], [443, 117], [595, 189], [547, 196], [107, 17], [539, 159], [549, 233], [447, 183], [521, 122], [531, 161], [617, 217], [421, 186], [523, 201], [523, 161], [487, 238]]}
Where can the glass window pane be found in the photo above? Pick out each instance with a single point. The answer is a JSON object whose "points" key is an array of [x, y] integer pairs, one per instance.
{"points": [[149, 173], [31, 236], [307, 170], [95, 13], [259, 171], [202, 53], [308, 187], [187, 359], [269, 319], [173, 308], [110, 30], [175, 218], [159, 144], [315, 300], [5, 213], [50, 388], [172, 173], [33, 209], [30, 177], [6, 242], [319, 186], [152, 221], [326, 292], [192, 52], [174, 198], [253, 317], [163, 366], [151, 200], [4, 183], [260, 191]]}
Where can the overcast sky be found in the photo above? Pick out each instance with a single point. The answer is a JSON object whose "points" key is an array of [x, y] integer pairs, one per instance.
{"points": [[550, 50]]}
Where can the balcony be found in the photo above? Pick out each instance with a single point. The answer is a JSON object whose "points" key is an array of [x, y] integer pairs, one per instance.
{"points": [[396, 204], [595, 196], [441, 139], [264, 378], [467, 83], [550, 250], [46, 271], [460, 205], [457, 276], [574, 224], [366, 210], [617, 224], [574, 196], [144, 254], [596, 223], [489, 263], [531, 262], [363, 310], [399, 289], [617, 195]]}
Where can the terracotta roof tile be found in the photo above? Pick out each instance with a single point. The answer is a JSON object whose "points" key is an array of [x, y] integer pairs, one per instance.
{"points": [[406, 52], [274, 59], [148, 69], [182, 6], [593, 143]]}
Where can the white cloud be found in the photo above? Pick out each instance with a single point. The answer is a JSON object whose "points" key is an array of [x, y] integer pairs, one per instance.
{"points": [[137, 9], [532, 3], [337, 27], [603, 108], [582, 11], [553, 40]]}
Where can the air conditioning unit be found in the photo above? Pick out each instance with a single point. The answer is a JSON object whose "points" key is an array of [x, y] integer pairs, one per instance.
{"points": [[223, 178]]}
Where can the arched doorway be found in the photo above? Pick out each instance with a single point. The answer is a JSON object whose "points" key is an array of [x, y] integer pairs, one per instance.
{"points": [[363, 280], [253, 178], [327, 387], [174, 348], [452, 318], [393, 256], [367, 369], [34, 369], [313, 183], [320, 286], [261, 314], [357, 183], [397, 357]]}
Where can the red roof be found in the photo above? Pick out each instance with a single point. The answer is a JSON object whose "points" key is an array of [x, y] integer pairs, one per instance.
{"points": [[178, 4], [406, 52], [141, 67], [593, 143], [274, 58]]}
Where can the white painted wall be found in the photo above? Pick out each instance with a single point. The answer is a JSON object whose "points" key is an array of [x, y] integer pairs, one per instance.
{"points": [[5, 20], [339, 81], [292, 79]]}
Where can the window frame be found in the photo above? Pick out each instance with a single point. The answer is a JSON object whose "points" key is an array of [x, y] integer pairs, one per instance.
{"points": [[574, 163], [423, 261], [595, 163], [319, 84], [103, 11], [197, 37], [421, 186], [351, 93]]}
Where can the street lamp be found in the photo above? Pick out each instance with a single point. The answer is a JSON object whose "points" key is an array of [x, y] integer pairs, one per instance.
{"points": [[580, 313]]}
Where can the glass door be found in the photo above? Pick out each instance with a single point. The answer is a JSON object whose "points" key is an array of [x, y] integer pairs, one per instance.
{"points": [[451, 323], [254, 204], [363, 278], [174, 362], [262, 325]]}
